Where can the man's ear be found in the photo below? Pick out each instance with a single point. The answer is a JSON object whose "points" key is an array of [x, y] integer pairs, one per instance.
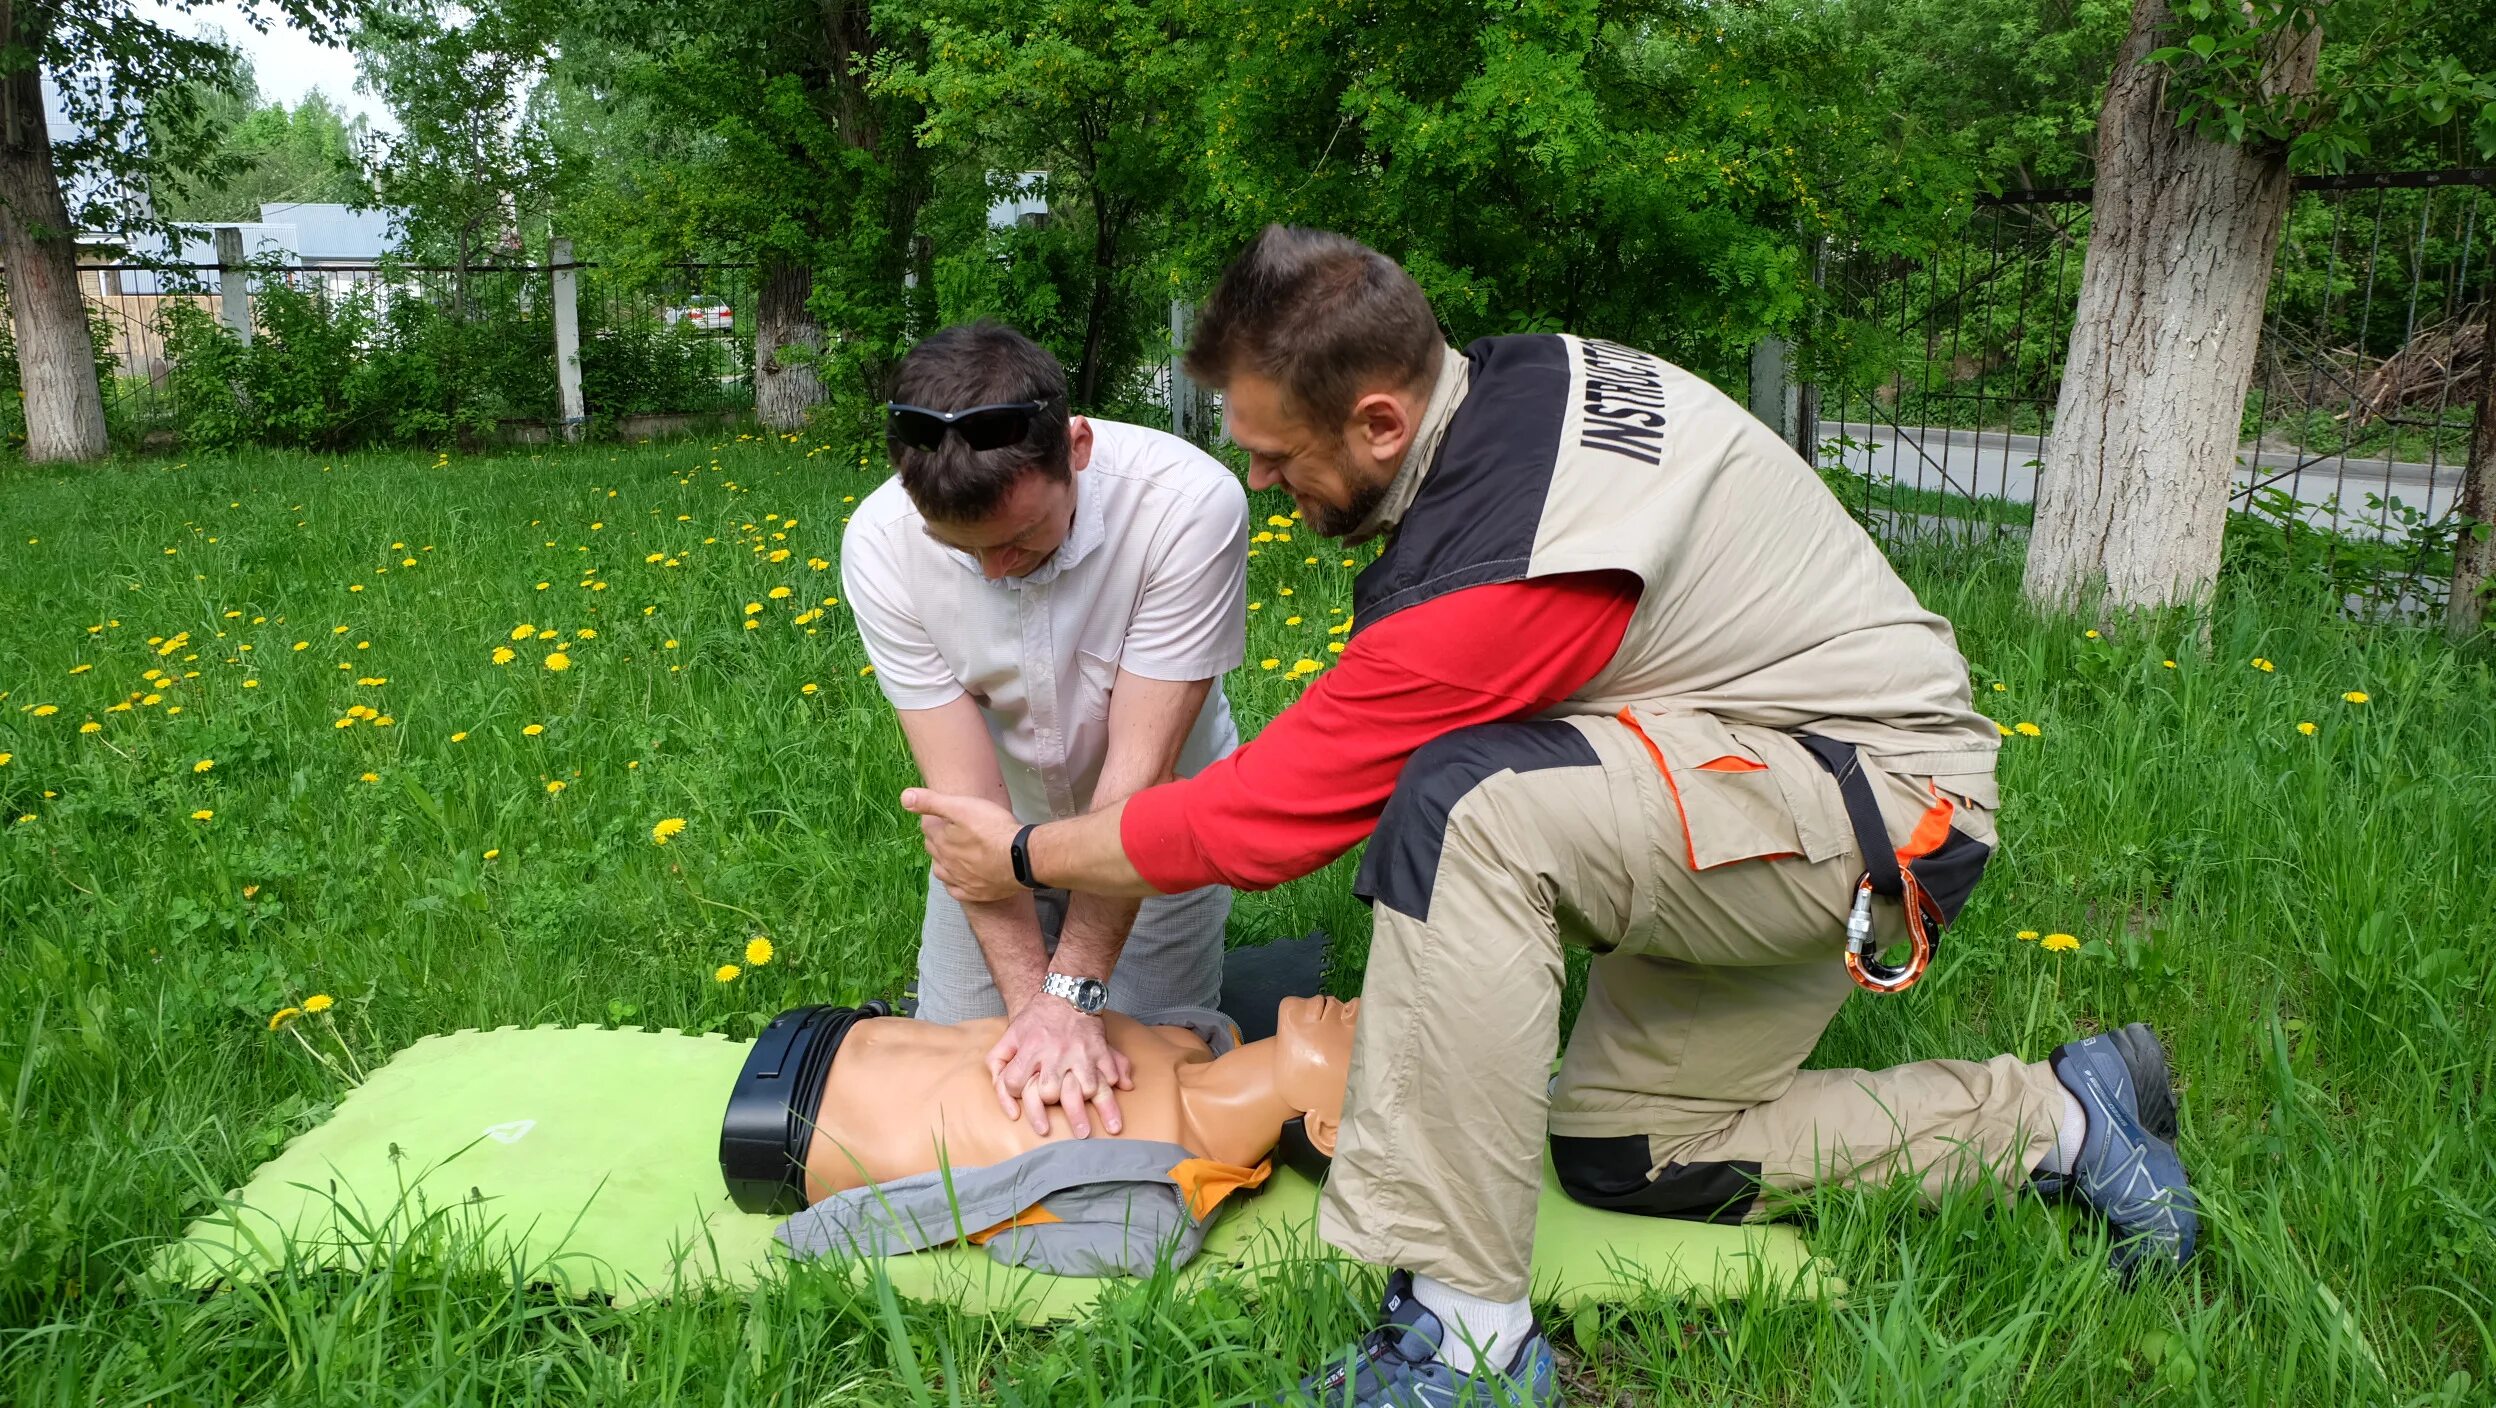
{"points": [[1321, 1132], [1383, 424], [1078, 444]]}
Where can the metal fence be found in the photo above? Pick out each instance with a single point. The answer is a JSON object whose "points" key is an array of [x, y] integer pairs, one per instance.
{"points": [[669, 339], [1937, 378]]}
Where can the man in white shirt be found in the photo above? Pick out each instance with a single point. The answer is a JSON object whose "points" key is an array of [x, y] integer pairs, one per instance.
{"points": [[1050, 602]]}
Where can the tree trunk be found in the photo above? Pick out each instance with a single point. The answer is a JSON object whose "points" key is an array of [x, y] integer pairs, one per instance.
{"points": [[785, 391], [1105, 223], [2474, 554], [2134, 492], [55, 352]]}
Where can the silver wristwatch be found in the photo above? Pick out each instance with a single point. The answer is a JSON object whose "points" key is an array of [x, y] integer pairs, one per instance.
{"points": [[1089, 995]]}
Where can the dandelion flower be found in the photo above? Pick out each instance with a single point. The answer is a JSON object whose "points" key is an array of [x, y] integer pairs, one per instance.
{"points": [[2168, 663], [6, 759], [523, 631], [80, 669], [2356, 696], [504, 655], [727, 973], [2027, 936], [558, 661], [369, 681], [532, 730], [203, 765], [2026, 729], [757, 951], [554, 786], [2263, 665], [2059, 943], [2091, 635], [865, 670], [202, 814], [807, 688], [371, 777], [2000, 688], [1291, 620], [303, 645], [319, 1002], [492, 854], [2306, 728], [45, 711], [90, 726], [1268, 663], [251, 684], [2003, 727], [778, 593], [282, 1016], [667, 830], [460, 737]]}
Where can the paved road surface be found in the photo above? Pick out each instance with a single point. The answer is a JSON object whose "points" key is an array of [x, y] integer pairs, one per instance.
{"points": [[1989, 463]]}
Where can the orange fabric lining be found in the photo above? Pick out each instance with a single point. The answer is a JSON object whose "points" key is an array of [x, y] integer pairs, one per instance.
{"points": [[1207, 1182], [1630, 722], [1033, 1216], [1931, 829], [1732, 762]]}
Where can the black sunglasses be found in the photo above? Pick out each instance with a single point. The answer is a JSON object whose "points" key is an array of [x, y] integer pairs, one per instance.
{"points": [[981, 427]]}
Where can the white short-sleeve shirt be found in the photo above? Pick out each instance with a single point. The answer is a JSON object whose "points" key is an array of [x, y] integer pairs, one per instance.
{"points": [[1152, 577]]}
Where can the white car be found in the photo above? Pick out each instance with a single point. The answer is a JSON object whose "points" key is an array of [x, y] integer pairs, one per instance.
{"points": [[709, 314]]}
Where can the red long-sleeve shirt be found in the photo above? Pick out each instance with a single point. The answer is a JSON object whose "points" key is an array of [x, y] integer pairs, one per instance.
{"points": [[1311, 785]]}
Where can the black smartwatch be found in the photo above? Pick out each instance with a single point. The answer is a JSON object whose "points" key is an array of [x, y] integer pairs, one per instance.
{"points": [[1020, 851]]}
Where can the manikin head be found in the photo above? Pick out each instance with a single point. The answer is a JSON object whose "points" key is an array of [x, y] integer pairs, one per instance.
{"points": [[1009, 507], [1313, 1060], [1326, 353]]}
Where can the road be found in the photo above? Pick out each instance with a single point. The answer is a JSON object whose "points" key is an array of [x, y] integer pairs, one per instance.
{"points": [[1996, 464]]}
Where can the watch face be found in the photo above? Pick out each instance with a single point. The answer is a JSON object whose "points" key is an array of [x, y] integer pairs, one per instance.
{"points": [[1090, 994]]}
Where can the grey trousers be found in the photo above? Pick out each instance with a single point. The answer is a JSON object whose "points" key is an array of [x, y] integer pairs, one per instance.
{"points": [[1173, 956]]}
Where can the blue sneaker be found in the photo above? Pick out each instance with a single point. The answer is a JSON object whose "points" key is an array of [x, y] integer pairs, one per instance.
{"points": [[2153, 1094], [2128, 1173], [1397, 1366]]}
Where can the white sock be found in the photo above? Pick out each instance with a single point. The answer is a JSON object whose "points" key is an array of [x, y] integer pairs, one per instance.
{"points": [[2065, 1155], [1475, 1329]]}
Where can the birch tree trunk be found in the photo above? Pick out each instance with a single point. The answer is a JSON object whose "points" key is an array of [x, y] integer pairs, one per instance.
{"points": [[2183, 233], [2474, 556], [55, 354], [785, 390]]}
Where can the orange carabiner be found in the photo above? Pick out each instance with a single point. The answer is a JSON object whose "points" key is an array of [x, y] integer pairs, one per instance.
{"points": [[1863, 962]]}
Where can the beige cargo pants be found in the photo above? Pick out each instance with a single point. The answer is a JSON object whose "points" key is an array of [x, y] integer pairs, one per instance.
{"points": [[1711, 873]]}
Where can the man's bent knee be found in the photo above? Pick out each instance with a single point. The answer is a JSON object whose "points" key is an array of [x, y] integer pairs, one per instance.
{"points": [[1613, 1174], [1402, 863]]}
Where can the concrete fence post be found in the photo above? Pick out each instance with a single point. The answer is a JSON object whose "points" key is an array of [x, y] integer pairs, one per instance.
{"points": [[567, 288], [1773, 392], [233, 283], [1186, 404]]}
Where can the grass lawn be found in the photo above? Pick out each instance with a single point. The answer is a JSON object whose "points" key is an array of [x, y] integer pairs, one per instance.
{"points": [[324, 783]]}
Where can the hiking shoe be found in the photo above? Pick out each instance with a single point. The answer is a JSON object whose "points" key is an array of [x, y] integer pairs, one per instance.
{"points": [[1397, 1365], [2153, 1094], [2130, 1175]]}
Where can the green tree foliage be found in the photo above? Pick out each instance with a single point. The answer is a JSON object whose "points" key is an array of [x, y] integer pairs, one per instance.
{"points": [[267, 152]]}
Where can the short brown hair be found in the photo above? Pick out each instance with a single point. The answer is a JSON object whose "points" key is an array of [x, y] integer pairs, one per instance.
{"points": [[1321, 315], [978, 364]]}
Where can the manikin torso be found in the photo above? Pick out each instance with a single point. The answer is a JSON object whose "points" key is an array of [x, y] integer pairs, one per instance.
{"points": [[904, 1096]]}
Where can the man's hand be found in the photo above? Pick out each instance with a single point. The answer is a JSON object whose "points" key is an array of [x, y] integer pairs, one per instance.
{"points": [[970, 840], [1052, 1054]]}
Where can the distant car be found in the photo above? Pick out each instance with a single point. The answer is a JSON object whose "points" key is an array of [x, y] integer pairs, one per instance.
{"points": [[709, 314]]}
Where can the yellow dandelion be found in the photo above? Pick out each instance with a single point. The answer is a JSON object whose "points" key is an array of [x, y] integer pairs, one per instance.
{"points": [[251, 684], [807, 688], [757, 951], [202, 814], [548, 633], [45, 711], [2091, 635], [492, 854], [319, 1002], [2003, 727], [2059, 943], [753, 607], [2356, 696], [558, 661], [585, 633], [6, 759], [2306, 728], [1268, 663], [556, 785], [80, 669], [371, 777], [2168, 663], [523, 631], [282, 1016], [369, 681], [203, 765], [90, 726], [504, 655], [727, 973], [2026, 729], [2027, 936], [670, 645], [2263, 665], [865, 670], [778, 593], [668, 829], [532, 730], [303, 645], [1291, 620], [460, 737]]}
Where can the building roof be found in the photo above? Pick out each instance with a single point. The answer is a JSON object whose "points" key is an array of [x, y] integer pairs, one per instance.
{"points": [[329, 231]]}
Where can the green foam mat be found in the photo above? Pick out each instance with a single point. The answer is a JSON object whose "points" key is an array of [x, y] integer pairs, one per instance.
{"points": [[589, 1157]]}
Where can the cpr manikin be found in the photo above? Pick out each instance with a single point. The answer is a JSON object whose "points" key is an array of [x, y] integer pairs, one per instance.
{"points": [[852, 1102]]}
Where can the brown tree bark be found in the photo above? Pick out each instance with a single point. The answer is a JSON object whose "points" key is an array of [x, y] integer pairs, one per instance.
{"points": [[2474, 555], [786, 388], [2184, 230], [55, 352]]}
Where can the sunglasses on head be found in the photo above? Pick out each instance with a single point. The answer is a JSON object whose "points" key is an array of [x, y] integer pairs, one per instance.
{"points": [[981, 427]]}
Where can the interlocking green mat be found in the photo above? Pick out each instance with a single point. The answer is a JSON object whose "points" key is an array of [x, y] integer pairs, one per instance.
{"points": [[591, 1156]]}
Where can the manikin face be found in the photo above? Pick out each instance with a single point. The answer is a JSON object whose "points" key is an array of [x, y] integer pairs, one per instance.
{"points": [[1335, 474], [1313, 1059], [1029, 524]]}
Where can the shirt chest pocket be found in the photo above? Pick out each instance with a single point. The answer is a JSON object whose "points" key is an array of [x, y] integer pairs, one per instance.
{"points": [[1095, 676], [1740, 793]]}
